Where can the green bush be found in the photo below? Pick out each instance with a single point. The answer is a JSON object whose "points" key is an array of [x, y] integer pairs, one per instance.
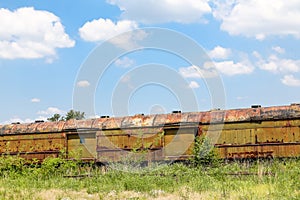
{"points": [[204, 153]]}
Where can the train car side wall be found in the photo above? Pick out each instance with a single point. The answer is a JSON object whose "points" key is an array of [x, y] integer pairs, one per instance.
{"points": [[261, 139], [33, 145]]}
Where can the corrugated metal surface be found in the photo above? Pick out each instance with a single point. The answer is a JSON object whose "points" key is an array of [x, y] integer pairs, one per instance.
{"points": [[216, 116]]}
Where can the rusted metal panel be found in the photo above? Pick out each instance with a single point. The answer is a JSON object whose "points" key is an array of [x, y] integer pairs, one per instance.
{"points": [[115, 144], [6, 129], [81, 146], [70, 125], [241, 115], [194, 117], [31, 128], [179, 142], [130, 138], [36, 146], [267, 150], [98, 123], [160, 120], [216, 116], [112, 123], [48, 127], [84, 124], [138, 121]]}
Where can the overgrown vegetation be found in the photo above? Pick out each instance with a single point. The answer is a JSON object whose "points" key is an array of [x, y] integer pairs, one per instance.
{"points": [[57, 178], [204, 153], [70, 115]]}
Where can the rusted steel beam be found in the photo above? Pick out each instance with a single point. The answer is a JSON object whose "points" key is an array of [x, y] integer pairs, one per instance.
{"points": [[258, 144], [31, 152]]}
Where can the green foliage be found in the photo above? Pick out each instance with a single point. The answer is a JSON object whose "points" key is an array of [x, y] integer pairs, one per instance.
{"points": [[55, 118], [204, 153], [278, 179], [11, 165], [70, 115], [74, 115]]}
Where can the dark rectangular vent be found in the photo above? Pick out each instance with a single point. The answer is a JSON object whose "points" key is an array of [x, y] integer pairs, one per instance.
{"points": [[104, 116], [256, 106], [38, 121], [176, 111]]}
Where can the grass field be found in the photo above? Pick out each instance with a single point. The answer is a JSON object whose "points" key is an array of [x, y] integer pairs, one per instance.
{"points": [[60, 179]]}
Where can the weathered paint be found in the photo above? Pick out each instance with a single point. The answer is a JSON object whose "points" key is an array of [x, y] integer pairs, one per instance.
{"points": [[36, 146], [249, 132]]}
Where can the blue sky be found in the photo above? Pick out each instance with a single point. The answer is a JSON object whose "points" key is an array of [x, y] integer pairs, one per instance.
{"points": [[253, 44]]}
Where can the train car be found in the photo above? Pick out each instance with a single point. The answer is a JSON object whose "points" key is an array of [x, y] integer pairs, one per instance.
{"points": [[256, 132], [36, 140]]}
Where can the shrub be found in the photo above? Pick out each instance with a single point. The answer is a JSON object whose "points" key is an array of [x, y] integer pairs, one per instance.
{"points": [[204, 153]]}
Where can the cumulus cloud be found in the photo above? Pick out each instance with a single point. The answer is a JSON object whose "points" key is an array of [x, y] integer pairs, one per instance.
{"points": [[103, 29], [231, 68], [197, 72], [42, 115], [28, 33], [259, 19], [193, 85], [278, 65], [83, 84], [153, 12], [35, 100], [124, 62], [17, 119], [278, 49], [290, 80], [219, 53], [212, 69], [50, 111], [129, 40]]}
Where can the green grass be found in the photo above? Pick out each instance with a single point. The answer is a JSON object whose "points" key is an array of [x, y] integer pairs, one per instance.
{"points": [[238, 180]]}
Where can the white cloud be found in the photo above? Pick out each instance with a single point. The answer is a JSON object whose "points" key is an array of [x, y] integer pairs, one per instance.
{"points": [[124, 62], [240, 98], [35, 100], [83, 84], [290, 80], [28, 33], [157, 109], [193, 85], [129, 40], [103, 29], [197, 72], [211, 69], [277, 65], [125, 79], [43, 115], [231, 68], [17, 119], [50, 111], [278, 49], [219, 53], [152, 12], [259, 19]]}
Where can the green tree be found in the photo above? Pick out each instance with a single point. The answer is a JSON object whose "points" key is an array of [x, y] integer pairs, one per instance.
{"points": [[75, 115], [55, 118], [70, 115]]}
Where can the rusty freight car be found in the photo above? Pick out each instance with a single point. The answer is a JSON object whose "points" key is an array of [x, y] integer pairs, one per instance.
{"points": [[256, 132]]}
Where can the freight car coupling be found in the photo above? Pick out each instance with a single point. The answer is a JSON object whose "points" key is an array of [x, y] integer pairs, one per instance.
{"points": [[256, 132]]}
